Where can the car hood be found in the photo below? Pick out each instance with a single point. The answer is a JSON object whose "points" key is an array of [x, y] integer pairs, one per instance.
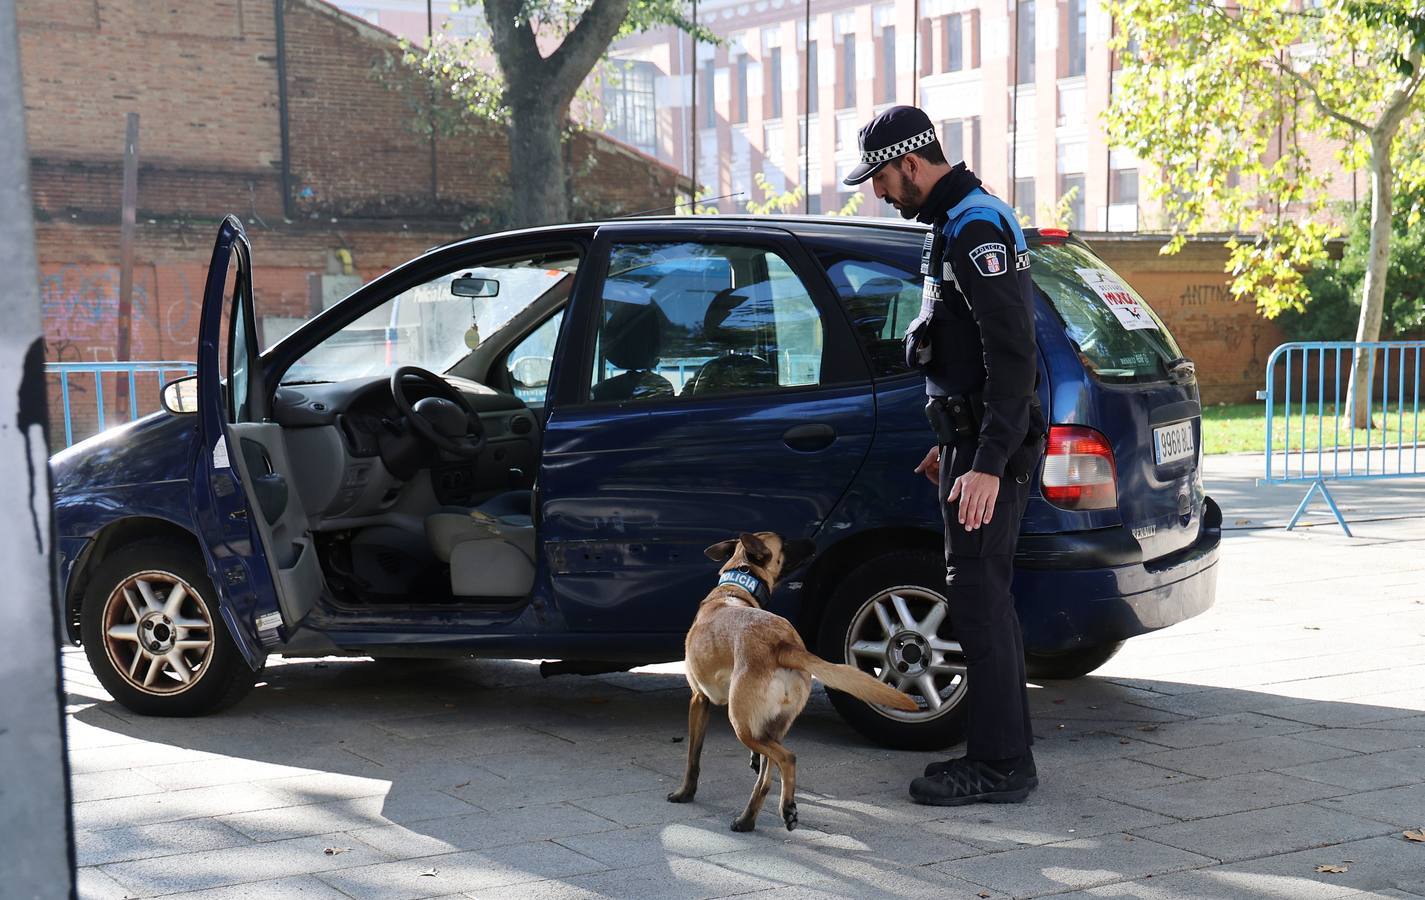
{"points": [[158, 447]]}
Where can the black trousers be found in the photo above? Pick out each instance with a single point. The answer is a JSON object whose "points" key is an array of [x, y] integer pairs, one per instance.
{"points": [[980, 568]]}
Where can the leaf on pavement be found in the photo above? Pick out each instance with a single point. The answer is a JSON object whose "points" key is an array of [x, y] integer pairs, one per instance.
{"points": [[1244, 521], [1416, 834], [983, 894], [430, 873], [333, 851], [1330, 869]]}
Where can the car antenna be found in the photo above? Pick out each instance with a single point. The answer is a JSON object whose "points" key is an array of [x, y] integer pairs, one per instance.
{"points": [[649, 212]]}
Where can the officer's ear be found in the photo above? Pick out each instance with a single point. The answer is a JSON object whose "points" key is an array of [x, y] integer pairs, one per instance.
{"points": [[909, 164]]}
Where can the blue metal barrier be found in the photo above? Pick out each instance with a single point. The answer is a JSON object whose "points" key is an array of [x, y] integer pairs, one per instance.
{"points": [[1323, 368], [165, 371]]}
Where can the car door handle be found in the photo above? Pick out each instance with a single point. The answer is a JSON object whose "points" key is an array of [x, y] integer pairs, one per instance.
{"points": [[809, 438]]}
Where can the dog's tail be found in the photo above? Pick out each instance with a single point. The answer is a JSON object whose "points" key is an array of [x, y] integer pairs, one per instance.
{"points": [[845, 678]]}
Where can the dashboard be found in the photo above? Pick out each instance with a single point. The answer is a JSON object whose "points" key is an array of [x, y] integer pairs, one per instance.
{"points": [[341, 436]]}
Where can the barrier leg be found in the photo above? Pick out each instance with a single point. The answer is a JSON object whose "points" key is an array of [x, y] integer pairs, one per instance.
{"points": [[1319, 485]]}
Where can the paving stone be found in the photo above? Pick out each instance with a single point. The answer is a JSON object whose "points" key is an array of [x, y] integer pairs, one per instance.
{"points": [[237, 865], [1082, 863], [171, 806], [1203, 798], [1376, 864], [111, 845], [632, 847], [482, 830], [677, 879], [1402, 806], [1215, 730], [1051, 814], [1261, 832], [1368, 772], [93, 884], [922, 882], [1112, 775], [458, 872], [1365, 740], [346, 815], [109, 785], [307, 886], [1277, 752], [1216, 884]]}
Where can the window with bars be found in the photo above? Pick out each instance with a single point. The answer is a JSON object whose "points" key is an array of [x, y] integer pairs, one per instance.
{"points": [[952, 140], [954, 32], [774, 82], [710, 94], [629, 104], [739, 89], [1078, 36], [809, 86], [888, 65], [1024, 23], [848, 71]]}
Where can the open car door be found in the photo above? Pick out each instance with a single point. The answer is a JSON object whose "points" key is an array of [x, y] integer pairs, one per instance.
{"points": [[231, 390]]}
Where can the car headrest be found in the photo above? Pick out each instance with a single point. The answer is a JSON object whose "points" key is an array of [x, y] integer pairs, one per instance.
{"points": [[633, 335], [735, 315]]}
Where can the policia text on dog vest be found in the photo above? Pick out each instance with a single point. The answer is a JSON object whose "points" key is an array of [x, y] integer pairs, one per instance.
{"points": [[974, 337]]}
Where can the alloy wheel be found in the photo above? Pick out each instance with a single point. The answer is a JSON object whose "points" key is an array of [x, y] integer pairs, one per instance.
{"points": [[902, 637], [158, 633]]}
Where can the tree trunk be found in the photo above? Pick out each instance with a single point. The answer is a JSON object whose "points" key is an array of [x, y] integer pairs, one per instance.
{"points": [[539, 195], [1373, 289]]}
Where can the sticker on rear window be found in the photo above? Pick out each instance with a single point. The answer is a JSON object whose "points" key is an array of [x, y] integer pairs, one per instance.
{"points": [[1116, 296]]}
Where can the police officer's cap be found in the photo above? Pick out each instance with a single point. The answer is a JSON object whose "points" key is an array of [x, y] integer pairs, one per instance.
{"points": [[888, 136]]}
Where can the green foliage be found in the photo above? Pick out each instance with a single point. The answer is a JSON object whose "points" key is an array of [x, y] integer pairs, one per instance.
{"points": [[1218, 97], [772, 202], [1335, 286], [1061, 215]]}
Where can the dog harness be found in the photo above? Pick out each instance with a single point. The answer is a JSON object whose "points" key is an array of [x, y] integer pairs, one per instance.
{"points": [[742, 577]]}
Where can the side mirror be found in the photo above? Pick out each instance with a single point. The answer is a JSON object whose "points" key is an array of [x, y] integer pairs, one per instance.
{"points": [[531, 371], [470, 286], [181, 397]]}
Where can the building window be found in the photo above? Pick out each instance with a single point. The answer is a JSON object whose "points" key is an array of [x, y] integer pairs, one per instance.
{"points": [[1074, 183], [1024, 196], [1078, 36], [973, 160], [739, 107], [629, 104], [1024, 25], [848, 71], [888, 65], [952, 140], [710, 94], [774, 82], [1123, 187], [809, 87], [953, 30], [814, 201]]}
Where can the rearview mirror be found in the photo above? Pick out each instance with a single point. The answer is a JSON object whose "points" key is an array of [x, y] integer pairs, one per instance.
{"points": [[470, 286], [181, 397]]}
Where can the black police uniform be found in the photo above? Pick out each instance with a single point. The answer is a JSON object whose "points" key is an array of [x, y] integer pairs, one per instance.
{"points": [[974, 340]]}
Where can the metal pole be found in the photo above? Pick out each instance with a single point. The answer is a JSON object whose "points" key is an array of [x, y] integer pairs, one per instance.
{"points": [[283, 120], [37, 854], [693, 125], [807, 88], [1014, 114], [430, 112], [128, 216]]}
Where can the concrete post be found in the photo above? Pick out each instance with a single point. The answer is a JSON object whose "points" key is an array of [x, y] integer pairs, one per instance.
{"points": [[36, 855]]}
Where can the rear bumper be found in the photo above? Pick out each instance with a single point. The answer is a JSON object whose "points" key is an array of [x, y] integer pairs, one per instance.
{"points": [[1064, 608]]}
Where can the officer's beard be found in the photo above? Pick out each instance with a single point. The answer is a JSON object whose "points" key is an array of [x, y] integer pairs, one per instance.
{"points": [[907, 197]]}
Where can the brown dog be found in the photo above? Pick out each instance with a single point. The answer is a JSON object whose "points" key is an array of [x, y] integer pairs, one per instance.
{"points": [[753, 662]]}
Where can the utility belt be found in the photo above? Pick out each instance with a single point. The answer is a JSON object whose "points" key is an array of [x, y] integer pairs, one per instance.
{"points": [[956, 421]]}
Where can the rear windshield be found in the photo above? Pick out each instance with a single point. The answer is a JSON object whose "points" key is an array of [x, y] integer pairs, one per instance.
{"points": [[1119, 336]]}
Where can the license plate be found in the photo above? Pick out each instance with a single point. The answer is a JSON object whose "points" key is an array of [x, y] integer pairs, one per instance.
{"points": [[1173, 442]]}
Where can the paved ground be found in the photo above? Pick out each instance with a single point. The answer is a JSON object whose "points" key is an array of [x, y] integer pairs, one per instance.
{"points": [[1226, 757]]}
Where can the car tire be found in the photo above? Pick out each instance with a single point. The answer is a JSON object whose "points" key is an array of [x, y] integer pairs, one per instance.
{"points": [[155, 657], [1068, 664], [909, 588]]}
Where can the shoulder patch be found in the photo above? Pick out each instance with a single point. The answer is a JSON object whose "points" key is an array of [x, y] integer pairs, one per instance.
{"points": [[990, 259]]}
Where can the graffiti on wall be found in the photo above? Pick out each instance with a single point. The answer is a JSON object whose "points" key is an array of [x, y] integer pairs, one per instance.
{"points": [[81, 311]]}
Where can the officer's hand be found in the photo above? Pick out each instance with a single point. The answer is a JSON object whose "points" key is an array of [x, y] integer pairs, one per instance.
{"points": [[976, 492], [930, 466]]}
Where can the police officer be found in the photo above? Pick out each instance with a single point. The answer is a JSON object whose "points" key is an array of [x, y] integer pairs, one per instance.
{"points": [[974, 341]]}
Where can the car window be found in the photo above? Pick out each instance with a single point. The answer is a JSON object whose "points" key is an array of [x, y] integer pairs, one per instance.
{"points": [[528, 364], [685, 319], [437, 324], [881, 300], [1119, 336]]}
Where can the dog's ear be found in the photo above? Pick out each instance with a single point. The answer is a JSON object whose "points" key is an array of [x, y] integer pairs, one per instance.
{"points": [[794, 553], [757, 551], [721, 551]]}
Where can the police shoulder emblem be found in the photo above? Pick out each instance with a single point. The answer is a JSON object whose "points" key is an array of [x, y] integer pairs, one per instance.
{"points": [[990, 259]]}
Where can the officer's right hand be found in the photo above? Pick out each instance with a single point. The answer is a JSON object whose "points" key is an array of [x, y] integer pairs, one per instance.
{"points": [[930, 466]]}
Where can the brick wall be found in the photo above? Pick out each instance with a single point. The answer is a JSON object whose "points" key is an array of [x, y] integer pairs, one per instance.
{"points": [[1226, 338]]}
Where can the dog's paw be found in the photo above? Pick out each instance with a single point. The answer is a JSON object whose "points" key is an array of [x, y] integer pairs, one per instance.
{"points": [[744, 824], [680, 796], [789, 816]]}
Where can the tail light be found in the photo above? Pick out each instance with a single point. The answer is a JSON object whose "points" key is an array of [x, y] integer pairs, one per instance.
{"points": [[1078, 469]]}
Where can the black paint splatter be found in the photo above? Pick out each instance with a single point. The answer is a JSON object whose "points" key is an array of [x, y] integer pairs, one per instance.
{"points": [[34, 410]]}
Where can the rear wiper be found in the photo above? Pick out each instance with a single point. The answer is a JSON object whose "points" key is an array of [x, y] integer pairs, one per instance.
{"points": [[1181, 370]]}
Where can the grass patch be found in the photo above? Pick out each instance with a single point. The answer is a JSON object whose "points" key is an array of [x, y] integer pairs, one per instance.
{"points": [[1242, 428]]}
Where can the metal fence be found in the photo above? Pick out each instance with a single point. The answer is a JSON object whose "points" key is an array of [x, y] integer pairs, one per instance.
{"points": [[91, 397], [1310, 430]]}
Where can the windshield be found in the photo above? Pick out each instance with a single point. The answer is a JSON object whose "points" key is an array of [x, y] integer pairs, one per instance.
{"points": [[433, 325], [1118, 335]]}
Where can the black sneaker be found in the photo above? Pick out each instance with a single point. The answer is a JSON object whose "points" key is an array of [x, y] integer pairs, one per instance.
{"points": [[1030, 772], [966, 781]]}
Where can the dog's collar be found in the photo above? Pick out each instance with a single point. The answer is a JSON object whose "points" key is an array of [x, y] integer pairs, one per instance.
{"points": [[748, 582]]}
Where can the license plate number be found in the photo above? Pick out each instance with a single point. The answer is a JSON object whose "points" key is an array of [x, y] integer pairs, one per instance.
{"points": [[1173, 442]]}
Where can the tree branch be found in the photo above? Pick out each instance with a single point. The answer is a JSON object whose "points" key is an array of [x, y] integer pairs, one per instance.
{"points": [[585, 45], [512, 38], [1400, 103]]}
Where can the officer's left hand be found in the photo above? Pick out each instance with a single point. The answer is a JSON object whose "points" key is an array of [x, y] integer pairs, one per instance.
{"points": [[976, 492]]}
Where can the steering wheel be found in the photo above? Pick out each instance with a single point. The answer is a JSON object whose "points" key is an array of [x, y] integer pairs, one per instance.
{"points": [[446, 420]]}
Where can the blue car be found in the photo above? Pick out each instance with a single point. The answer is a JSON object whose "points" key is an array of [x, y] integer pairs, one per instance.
{"points": [[519, 446]]}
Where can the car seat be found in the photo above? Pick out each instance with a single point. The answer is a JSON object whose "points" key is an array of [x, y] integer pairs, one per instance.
{"points": [[633, 341]]}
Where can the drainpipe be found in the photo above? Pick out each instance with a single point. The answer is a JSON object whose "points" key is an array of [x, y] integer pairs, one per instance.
{"points": [[278, 16]]}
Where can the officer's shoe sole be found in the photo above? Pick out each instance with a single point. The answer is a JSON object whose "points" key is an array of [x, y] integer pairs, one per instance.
{"points": [[932, 796]]}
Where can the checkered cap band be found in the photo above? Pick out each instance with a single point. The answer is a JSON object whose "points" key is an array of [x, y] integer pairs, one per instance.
{"points": [[886, 154]]}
